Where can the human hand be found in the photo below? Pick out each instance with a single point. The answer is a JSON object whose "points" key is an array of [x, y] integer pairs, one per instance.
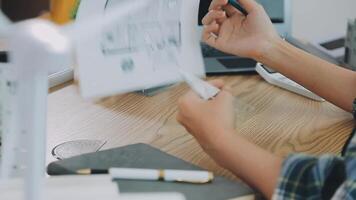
{"points": [[210, 122], [227, 29]]}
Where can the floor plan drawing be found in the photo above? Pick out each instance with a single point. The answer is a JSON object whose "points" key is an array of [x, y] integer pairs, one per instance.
{"points": [[141, 49], [145, 31]]}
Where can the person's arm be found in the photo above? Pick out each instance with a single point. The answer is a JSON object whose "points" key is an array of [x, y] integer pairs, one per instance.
{"points": [[212, 123], [335, 84], [299, 176], [257, 167], [254, 36]]}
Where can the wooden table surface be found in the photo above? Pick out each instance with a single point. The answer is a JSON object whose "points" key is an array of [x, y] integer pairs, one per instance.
{"points": [[275, 119]]}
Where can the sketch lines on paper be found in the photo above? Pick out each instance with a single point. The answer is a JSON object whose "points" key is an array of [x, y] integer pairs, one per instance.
{"points": [[151, 31]]}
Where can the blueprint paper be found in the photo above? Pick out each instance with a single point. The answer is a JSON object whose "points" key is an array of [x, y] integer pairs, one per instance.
{"points": [[135, 53]]}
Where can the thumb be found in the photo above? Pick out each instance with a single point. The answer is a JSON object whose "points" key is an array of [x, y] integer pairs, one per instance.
{"points": [[249, 5]]}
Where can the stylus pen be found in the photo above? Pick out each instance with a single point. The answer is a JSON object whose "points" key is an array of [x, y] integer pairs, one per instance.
{"points": [[168, 175], [238, 6]]}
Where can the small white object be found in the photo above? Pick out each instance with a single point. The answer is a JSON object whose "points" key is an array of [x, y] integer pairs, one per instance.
{"points": [[187, 176], [281, 81], [204, 89]]}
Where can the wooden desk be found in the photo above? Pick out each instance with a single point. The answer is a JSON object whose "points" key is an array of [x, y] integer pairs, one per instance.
{"points": [[275, 119]]}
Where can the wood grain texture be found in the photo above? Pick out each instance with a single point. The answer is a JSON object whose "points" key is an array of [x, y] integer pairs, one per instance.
{"points": [[275, 119]]}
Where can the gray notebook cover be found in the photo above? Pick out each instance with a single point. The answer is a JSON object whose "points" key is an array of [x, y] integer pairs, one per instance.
{"points": [[145, 156]]}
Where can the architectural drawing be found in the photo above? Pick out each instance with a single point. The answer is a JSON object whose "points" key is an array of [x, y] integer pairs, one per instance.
{"points": [[140, 49], [145, 32]]}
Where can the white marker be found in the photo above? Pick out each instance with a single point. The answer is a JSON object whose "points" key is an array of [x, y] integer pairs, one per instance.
{"points": [[163, 175], [184, 176]]}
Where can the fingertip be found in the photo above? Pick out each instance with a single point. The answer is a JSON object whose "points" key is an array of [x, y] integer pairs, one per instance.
{"points": [[218, 4], [213, 16], [219, 83]]}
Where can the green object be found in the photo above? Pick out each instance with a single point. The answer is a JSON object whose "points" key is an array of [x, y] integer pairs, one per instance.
{"points": [[145, 156], [75, 10], [238, 6]]}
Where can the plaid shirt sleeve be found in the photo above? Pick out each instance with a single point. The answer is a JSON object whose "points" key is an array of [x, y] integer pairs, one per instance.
{"points": [[308, 177], [325, 177]]}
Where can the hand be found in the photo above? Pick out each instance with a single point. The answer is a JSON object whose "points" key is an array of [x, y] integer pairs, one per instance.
{"points": [[210, 122], [228, 30]]}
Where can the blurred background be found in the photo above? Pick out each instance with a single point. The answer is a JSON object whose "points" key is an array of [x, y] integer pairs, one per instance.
{"points": [[23, 9], [317, 19], [312, 19]]}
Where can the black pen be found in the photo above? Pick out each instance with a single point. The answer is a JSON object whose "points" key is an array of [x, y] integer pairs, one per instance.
{"points": [[92, 171], [238, 6]]}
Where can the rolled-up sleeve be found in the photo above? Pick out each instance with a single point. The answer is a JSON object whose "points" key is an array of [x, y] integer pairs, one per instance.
{"points": [[308, 177]]}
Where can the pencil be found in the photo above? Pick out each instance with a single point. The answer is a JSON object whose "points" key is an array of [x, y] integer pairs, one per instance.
{"points": [[238, 6]]}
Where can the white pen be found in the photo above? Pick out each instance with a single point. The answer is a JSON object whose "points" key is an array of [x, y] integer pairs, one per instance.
{"points": [[169, 175]]}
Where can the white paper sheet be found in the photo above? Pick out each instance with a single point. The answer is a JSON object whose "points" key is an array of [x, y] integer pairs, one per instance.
{"points": [[132, 54], [66, 187], [92, 187]]}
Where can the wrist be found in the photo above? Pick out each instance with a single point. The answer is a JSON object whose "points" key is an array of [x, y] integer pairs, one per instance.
{"points": [[221, 149], [223, 136], [268, 49], [217, 145]]}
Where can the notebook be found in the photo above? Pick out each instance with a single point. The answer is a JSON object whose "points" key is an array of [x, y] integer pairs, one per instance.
{"points": [[145, 156]]}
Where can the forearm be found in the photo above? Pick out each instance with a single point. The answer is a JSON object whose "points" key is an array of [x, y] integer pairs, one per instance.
{"points": [[257, 167], [335, 84]]}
